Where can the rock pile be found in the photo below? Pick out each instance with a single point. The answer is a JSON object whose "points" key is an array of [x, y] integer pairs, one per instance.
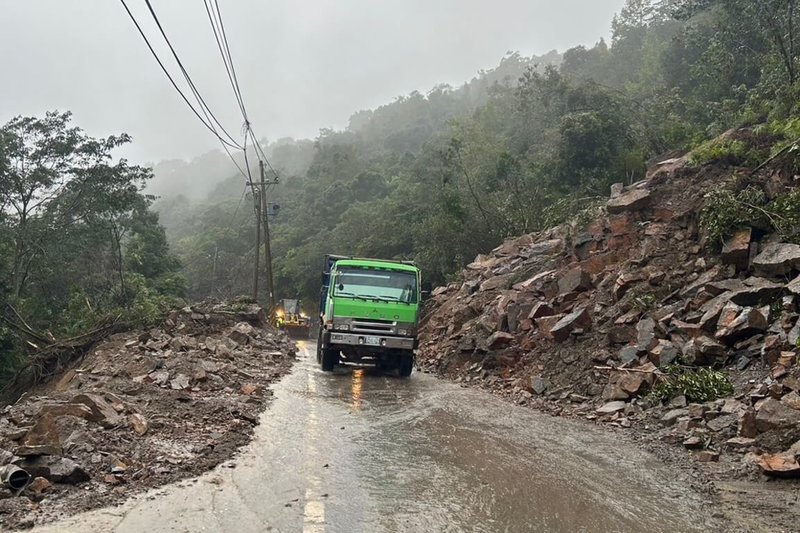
{"points": [[144, 408], [588, 320]]}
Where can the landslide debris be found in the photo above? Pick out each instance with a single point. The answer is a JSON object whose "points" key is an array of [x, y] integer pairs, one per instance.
{"points": [[635, 320], [142, 409]]}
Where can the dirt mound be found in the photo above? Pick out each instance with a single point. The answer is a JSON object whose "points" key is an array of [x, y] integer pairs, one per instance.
{"points": [[586, 320], [142, 409]]}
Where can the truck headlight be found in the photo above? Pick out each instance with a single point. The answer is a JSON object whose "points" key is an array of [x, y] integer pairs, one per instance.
{"points": [[402, 332], [343, 327]]}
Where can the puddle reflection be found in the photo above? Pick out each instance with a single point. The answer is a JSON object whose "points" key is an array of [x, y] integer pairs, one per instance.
{"points": [[357, 386]]}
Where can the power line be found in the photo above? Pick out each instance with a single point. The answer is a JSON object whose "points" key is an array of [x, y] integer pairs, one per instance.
{"points": [[171, 80], [221, 37], [212, 19], [203, 105]]}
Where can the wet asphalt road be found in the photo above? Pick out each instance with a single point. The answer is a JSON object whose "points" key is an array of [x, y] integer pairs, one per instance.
{"points": [[355, 452]]}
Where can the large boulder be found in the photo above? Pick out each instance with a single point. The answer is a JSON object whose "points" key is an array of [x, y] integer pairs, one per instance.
{"points": [[777, 259], [774, 414], [576, 279], [736, 250], [578, 319], [634, 200]]}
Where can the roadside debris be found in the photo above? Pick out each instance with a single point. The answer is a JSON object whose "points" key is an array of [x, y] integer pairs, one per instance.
{"points": [[630, 321], [142, 409]]}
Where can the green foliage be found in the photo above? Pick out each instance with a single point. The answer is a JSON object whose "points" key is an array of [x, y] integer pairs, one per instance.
{"points": [[727, 211], [725, 151], [701, 385], [78, 242]]}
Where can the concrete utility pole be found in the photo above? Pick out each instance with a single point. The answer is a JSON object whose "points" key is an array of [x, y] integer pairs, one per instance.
{"points": [[257, 199], [267, 246]]}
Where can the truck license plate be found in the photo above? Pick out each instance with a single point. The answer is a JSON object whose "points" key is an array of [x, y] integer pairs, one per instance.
{"points": [[373, 341]]}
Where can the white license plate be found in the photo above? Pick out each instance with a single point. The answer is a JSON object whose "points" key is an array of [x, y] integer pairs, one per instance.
{"points": [[373, 341]]}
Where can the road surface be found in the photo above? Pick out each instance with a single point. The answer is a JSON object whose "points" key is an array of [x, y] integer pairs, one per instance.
{"points": [[355, 452]]}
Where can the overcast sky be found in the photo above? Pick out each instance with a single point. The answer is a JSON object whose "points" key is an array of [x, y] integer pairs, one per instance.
{"points": [[302, 65]]}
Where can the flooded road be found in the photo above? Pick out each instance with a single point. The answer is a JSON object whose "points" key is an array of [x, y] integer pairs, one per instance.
{"points": [[355, 452]]}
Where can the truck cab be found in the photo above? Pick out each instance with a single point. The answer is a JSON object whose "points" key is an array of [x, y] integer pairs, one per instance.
{"points": [[369, 312]]}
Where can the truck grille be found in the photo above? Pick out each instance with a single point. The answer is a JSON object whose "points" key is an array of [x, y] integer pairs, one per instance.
{"points": [[366, 325]]}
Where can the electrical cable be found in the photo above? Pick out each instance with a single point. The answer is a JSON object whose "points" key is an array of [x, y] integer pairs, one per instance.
{"points": [[203, 105], [225, 59], [221, 37], [172, 81]]}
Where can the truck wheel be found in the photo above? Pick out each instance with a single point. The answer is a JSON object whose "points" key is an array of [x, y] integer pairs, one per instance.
{"points": [[406, 365], [329, 359], [319, 347]]}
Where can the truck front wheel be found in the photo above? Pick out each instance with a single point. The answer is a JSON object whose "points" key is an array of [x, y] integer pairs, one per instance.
{"points": [[406, 365], [329, 358]]}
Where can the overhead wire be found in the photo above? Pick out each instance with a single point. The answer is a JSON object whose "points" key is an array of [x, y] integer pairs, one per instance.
{"points": [[203, 105], [172, 80], [221, 37]]}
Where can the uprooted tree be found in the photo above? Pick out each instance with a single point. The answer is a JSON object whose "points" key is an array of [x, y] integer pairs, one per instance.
{"points": [[77, 241]]}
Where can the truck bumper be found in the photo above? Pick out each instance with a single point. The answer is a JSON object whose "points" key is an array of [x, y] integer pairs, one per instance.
{"points": [[369, 341]]}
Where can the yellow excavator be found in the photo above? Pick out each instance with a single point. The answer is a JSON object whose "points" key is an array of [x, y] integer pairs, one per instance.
{"points": [[288, 316]]}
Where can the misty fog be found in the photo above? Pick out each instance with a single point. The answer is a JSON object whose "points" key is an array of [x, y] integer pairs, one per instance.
{"points": [[302, 66]]}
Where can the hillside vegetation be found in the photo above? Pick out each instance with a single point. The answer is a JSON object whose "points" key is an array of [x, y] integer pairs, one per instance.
{"points": [[442, 176]]}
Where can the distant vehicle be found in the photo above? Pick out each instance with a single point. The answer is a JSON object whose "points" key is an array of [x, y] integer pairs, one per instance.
{"points": [[369, 313], [289, 316]]}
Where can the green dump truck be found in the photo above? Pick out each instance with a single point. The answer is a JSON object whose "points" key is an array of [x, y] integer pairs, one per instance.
{"points": [[369, 310]]}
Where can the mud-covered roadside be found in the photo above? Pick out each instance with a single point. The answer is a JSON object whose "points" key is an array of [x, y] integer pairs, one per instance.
{"points": [[142, 409]]}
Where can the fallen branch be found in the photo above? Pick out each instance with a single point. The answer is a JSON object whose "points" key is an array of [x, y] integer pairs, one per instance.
{"points": [[655, 372], [788, 148]]}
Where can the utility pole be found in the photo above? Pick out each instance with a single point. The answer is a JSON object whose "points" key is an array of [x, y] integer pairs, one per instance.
{"points": [[257, 196], [267, 246]]}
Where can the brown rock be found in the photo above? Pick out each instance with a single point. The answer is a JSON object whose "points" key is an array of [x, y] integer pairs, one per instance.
{"points": [[575, 280], [773, 414], [541, 309], [634, 382], [634, 200], [736, 250], [747, 423], [792, 400], [77, 410], [624, 282], [39, 486], [35, 451], [103, 412], [777, 259], [139, 424], [747, 323], [739, 443], [611, 408], [779, 465], [248, 389], [546, 323], [646, 335], [44, 434], [693, 443], [708, 347], [497, 282], [664, 353], [579, 318], [794, 286], [691, 330], [707, 456], [498, 340]]}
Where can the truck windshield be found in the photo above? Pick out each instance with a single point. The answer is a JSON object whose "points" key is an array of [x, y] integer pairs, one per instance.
{"points": [[374, 284]]}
